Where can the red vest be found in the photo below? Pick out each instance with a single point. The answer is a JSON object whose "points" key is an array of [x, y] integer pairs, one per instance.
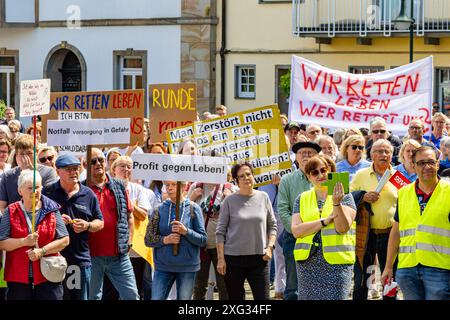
{"points": [[17, 261]]}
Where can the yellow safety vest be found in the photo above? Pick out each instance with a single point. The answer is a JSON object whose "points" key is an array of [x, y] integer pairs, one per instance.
{"points": [[3, 283], [337, 248], [424, 238]]}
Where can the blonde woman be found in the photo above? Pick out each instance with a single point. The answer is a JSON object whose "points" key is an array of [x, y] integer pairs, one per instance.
{"points": [[353, 155], [406, 167], [47, 156]]}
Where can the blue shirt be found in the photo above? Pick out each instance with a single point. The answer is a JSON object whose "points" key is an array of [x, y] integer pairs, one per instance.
{"points": [[82, 205], [345, 166], [434, 140], [272, 192], [401, 168]]}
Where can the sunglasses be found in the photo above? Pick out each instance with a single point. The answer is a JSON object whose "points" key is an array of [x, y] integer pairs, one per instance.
{"points": [[316, 172], [379, 131], [45, 159], [99, 160], [357, 147]]}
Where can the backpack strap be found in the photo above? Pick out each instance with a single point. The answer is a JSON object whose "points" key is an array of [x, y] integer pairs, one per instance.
{"points": [[191, 207]]}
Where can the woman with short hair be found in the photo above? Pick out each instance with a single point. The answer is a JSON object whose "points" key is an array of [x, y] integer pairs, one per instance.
{"points": [[25, 249], [406, 167], [326, 236], [246, 234], [354, 155]]}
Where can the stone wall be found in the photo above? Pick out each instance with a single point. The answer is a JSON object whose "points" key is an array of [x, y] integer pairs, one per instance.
{"points": [[198, 50]]}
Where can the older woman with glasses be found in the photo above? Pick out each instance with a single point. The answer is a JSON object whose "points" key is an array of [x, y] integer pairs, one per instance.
{"points": [[245, 235], [353, 155], [14, 127], [406, 167], [325, 230]]}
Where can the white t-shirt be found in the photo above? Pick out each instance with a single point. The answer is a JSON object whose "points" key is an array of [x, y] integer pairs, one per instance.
{"points": [[146, 199]]}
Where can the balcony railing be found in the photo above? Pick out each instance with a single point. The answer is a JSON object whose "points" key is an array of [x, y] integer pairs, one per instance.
{"points": [[330, 18]]}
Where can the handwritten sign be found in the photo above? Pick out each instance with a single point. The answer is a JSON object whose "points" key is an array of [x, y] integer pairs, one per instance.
{"points": [[88, 132], [171, 106], [338, 99], [100, 105], [34, 97], [254, 135]]}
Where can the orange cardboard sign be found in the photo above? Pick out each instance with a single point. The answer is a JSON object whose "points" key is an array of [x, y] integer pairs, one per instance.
{"points": [[171, 106]]}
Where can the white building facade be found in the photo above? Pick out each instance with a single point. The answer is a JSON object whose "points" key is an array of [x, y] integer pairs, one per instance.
{"points": [[84, 45]]}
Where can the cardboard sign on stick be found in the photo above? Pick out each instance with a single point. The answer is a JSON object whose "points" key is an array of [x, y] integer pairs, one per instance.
{"points": [[254, 135], [34, 97], [179, 168], [171, 106]]}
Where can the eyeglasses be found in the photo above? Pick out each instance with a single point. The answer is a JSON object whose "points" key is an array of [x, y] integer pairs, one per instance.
{"points": [[416, 128], [382, 151], [423, 163], [45, 159], [244, 175], [316, 172], [357, 147], [379, 131], [99, 160]]}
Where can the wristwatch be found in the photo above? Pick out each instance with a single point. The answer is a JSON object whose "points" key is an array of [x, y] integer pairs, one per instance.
{"points": [[322, 221]]}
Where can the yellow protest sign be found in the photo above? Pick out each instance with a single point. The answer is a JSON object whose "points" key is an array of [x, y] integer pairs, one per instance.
{"points": [[138, 241], [255, 135]]}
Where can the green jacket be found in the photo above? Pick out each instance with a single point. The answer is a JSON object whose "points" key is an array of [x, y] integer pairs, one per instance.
{"points": [[291, 186]]}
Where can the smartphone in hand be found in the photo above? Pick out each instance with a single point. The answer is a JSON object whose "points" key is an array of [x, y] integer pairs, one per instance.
{"points": [[335, 177]]}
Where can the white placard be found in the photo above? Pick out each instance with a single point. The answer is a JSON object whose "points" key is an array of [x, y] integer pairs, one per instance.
{"points": [[180, 168], [34, 97], [384, 179], [88, 132], [336, 99]]}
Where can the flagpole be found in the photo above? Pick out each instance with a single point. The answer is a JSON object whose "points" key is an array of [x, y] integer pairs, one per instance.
{"points": [[33, 210]]}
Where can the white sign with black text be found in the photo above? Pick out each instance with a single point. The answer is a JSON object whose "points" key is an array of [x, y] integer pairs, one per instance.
{"points": [[88, 132], [180, 168], [34, 97]]}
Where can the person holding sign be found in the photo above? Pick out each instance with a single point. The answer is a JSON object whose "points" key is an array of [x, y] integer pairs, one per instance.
{"points": [[325, 230], [246, 234], [143, 200], [163, 231], [373, 239], [25, 249], [420, 234], [24, 158], [81, 214], [406, 167], [109, 247]]}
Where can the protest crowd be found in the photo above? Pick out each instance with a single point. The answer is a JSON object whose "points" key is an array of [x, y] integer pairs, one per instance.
{"points": [[292, 236]]}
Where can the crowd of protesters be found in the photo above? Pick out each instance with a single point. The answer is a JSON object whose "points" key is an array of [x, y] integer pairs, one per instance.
{"points": [[293, 233]]}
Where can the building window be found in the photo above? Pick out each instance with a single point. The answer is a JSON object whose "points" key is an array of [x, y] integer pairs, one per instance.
{"points": [[7, 80], [365, 69], [130, 73], [245, 82], [444, 90]]}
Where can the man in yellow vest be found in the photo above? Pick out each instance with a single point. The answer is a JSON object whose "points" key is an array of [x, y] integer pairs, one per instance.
{"points": [[421, 233]]}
